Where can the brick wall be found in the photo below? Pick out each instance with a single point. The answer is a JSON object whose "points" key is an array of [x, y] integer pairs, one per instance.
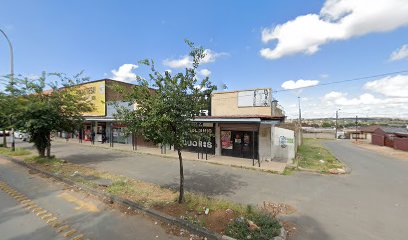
{"points": [[401, 144], [377, 139]]}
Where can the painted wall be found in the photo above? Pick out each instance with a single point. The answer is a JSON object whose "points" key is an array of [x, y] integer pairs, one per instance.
{"points": [[226, 104], [217, 139], [283, 144], [264, 142], [95, 92]]}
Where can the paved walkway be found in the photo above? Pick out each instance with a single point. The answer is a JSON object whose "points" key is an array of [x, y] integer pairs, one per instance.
{"points": [[81, 213], [369, 203], [387, 151], [273, 166]]}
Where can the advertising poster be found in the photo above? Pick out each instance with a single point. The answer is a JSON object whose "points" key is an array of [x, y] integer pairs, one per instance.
{"points": [[95, 92], [226, 142]]}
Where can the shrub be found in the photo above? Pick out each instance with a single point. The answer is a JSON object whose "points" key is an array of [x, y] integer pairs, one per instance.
{"points": [[269, 227]]}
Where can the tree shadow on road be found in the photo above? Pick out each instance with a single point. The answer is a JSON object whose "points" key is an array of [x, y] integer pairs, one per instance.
{"points": [[210, 183], [306, 227]]}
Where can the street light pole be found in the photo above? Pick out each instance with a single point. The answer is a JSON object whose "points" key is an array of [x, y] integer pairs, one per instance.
{"points": [[13, 143]]}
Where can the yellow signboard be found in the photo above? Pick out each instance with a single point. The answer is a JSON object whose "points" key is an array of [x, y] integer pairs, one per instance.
{"points": [[95, 91]]}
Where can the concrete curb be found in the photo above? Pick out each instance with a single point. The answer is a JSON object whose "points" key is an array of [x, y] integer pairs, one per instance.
{"points": [[127, 203], [346, 169]]}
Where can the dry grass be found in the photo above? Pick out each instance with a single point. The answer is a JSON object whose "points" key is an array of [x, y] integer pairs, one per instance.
{"points": [[146, 194], [18, 152]]}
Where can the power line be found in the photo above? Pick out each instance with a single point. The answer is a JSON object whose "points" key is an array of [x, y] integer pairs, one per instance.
{"points": [[329, 83], [343, 81]]}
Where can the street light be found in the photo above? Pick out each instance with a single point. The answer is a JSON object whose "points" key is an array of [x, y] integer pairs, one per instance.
{"points": [[13, 144]]}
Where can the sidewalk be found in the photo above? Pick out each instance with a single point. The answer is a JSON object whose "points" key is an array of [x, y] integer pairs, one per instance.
{"points": [[270, 166], [387, 151]]}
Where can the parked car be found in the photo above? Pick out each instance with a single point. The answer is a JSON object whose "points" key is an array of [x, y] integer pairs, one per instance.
{"points": [[7, 132], [21, 135]]}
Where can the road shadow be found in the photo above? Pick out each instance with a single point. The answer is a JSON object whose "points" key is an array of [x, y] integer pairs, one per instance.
{"points": [[209, 183], [306, 227]]}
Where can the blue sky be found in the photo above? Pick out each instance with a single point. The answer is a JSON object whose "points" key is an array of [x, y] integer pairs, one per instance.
{"points": [[320, 42]]}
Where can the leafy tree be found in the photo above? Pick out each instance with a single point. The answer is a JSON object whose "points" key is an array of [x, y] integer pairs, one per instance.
{"points": [[164, 115], [9, 102], [51, 106], [327, 124]]}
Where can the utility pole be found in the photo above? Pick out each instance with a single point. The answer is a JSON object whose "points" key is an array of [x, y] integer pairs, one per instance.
{"points": [[337, 118], [300, 114], [13, 143], [356, 127]]}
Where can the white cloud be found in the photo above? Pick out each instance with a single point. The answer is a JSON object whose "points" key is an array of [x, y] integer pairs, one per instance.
{"points": [[184, 62], [334, 95], [392, 86], [340, 99], [338, 20], [364, 105], [125, 73], [187, 61], [299, 84], [205, 72], [400, 53]]}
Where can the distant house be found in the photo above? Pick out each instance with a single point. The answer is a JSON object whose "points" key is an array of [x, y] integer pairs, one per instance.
{"points": [[396, 138], [364, 133]]}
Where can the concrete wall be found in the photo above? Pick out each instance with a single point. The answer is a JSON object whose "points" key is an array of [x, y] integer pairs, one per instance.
{"points": [[226, 104], [283, 143], [369, 137], [320, 135], [217, 139], [264, 142]]}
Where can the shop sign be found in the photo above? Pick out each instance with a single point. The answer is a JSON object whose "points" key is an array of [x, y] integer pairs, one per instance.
{"points": [[202, 145], [95, 92]]}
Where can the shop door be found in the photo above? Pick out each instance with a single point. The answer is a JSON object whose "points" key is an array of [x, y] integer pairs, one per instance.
{"points": [[242, 144]]}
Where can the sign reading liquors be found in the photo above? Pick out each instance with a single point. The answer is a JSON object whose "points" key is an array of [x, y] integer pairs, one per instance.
{"points": [[204, 145]]}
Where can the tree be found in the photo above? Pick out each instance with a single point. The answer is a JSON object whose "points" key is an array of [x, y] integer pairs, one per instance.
{"points": [[51, 106], [167, 105], [327, 124], [9, 103]]}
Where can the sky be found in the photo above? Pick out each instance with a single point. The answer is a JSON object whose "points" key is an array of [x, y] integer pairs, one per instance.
{"points": [[283, 45]]}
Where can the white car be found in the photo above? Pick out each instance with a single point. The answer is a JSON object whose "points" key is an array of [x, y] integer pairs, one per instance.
{"points": [[21, 135]]}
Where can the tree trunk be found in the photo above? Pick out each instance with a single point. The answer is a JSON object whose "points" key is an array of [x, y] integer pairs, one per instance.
{"points": [[41, 152], [4, 139], [181, 196], [49, 145]]}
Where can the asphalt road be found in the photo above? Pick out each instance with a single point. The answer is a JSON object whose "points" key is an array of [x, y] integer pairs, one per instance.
{"points": [[85, 217], [369, 203]]}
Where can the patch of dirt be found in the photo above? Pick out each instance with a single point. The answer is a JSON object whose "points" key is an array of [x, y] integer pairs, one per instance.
{"points": [[32, 171], [216, 221], [278, 208], [290, 229]]}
